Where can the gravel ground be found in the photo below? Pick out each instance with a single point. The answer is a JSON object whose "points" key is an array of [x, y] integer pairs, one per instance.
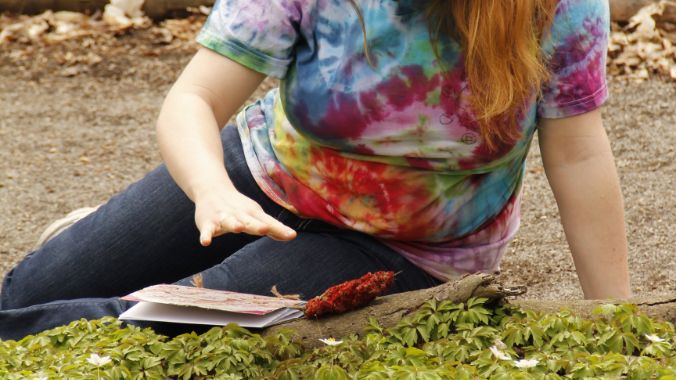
{"points": [[69, 142]]}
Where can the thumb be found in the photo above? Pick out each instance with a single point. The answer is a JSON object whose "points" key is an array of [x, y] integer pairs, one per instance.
{"points": [[206, 233]]}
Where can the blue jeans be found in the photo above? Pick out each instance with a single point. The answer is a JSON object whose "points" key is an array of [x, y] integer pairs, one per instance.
{"points": [[147, 235]]}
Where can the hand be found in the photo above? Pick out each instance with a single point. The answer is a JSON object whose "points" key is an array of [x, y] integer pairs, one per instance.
{"points": [[229, 211]]}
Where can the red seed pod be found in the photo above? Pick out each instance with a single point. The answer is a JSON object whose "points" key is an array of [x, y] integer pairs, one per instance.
{"points": [[349, 295]]}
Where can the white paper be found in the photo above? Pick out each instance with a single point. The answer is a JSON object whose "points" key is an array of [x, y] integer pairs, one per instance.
{"points": [[187, 304], [148, 311]]}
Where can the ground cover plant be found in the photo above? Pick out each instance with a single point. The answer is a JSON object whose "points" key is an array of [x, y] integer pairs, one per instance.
{"points": [[68, 145], [443, 340]]}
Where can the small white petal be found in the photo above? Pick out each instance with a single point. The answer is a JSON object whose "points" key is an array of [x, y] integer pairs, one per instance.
{"points": [[526, 363], [331, 342], [500, 344], [499, 354], [97, 360], [654, 338], [93, 359]]}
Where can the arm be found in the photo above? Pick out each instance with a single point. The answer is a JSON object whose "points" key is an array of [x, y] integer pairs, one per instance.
{"points": [[581, 171], [205, 96]]}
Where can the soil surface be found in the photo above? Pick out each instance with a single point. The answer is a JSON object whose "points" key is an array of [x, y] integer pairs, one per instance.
{"points": [[74, 135]]}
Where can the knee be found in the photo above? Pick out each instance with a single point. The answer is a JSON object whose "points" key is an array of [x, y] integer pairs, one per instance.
{"points": [[11, 296]]}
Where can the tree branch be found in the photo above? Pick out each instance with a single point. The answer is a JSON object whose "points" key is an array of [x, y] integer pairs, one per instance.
{"points": [[389, 310]]}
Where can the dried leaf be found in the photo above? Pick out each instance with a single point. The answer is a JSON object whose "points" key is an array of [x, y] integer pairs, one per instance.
{"points": [[131, 8], [642, 48], [163, 36], [36, 30], [73, 71], [115, 17], [69, 17], [204, 10], [197, 281], [277, 294]]}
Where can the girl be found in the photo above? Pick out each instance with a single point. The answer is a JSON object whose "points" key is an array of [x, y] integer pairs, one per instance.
{"points": [[396, 141]]}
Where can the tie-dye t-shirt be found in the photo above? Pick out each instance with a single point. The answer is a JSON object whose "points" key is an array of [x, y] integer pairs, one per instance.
{"points": [[392, 148]]}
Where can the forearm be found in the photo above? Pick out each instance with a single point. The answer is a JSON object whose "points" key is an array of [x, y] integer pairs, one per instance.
{"points": [[580, 168], [591, 208], [205, 96], [189, 141]]}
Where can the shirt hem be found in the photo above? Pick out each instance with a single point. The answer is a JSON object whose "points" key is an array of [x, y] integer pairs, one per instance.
{"points": [[250, 58], [576, 107]]}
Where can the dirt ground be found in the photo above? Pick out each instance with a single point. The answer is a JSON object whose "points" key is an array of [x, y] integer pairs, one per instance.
{"points": [[73, 137]]}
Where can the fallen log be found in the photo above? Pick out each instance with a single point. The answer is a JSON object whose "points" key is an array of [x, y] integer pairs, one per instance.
{"points": [[623, 10], [39, 6], [159, 9], [620, 10], [389, 310], [155, 9], [662, 308]]}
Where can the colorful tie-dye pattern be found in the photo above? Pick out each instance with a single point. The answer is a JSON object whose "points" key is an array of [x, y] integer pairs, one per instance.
{"points": [[393, 149]]}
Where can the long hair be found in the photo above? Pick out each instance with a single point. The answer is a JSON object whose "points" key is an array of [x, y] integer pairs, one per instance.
{"points": [[503, 62]]}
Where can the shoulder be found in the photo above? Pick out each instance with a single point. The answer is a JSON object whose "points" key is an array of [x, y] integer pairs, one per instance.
{"points": [[575, 13], [578, 24]]}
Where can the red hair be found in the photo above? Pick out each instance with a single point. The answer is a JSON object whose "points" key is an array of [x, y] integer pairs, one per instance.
{"points": [[504, 64]]}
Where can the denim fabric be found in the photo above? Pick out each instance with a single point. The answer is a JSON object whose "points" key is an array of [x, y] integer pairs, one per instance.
{"points": [[146, 235]]}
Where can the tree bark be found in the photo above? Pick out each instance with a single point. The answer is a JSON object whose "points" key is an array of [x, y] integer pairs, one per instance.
{"points": [[620, 10], [623, 10], [39, 6], [155, 9], [389, 310], [661, 308]]}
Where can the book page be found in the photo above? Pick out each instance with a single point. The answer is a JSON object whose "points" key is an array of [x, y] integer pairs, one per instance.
{"points": [[146, 311], [212, 299]]}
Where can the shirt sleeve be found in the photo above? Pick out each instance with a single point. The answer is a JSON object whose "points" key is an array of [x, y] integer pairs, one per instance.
{"points": [[577, 46], [259, 34]]}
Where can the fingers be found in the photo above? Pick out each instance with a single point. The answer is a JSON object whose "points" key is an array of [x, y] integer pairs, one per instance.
{"points": [[229, 223], [206, 233], [263, 224], [260, 224], [219, 214], [278, 230]]}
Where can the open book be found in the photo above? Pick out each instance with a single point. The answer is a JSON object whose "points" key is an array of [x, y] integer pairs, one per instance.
{"points": [[186, 304]]}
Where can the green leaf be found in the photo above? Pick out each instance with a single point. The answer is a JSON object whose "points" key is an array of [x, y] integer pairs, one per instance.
{"points": [[442, 330], [331, 372], [424, 332], [605, 310], [415, 352]]}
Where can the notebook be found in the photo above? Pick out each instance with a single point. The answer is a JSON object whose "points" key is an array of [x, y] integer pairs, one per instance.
{"points": [[187, 304]]}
